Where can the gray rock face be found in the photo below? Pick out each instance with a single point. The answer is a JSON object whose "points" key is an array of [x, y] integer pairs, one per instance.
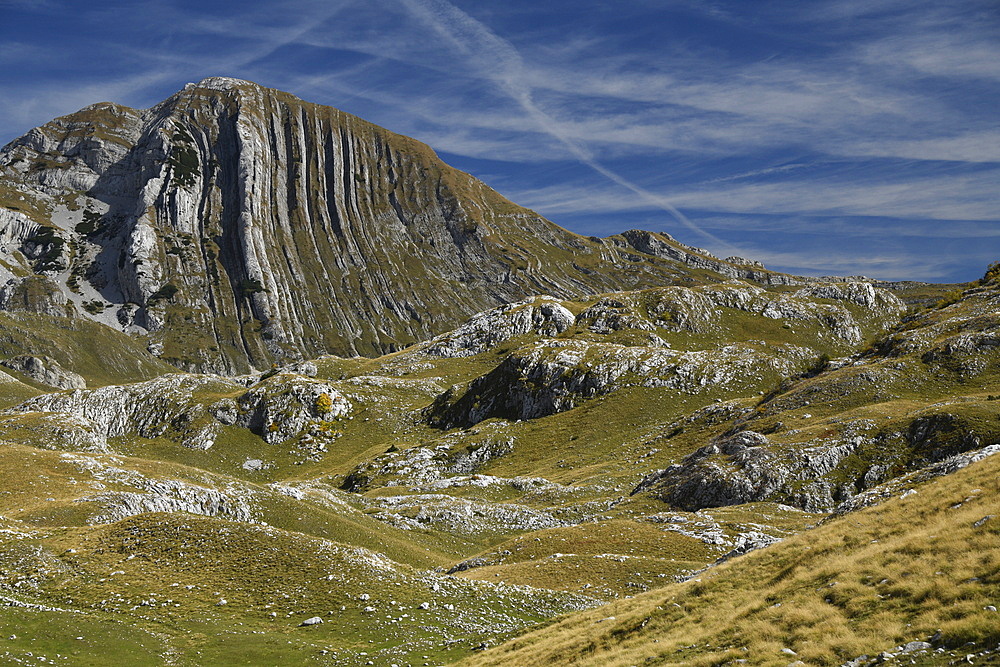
{"points": [[56, 431], [556, 375], [814, 476], [898, 486], [553, 376], [171, 496], [731, 471], [45, 371], [271, 229], [149, 409], [284, 406], [708, 310], [541, 315], [747, 542], [185, 408], [460, 516], [697, 258], [35, 294], [423, 465]]}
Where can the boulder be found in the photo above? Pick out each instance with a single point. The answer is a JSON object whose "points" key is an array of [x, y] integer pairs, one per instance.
{"points": [[45, 371]]}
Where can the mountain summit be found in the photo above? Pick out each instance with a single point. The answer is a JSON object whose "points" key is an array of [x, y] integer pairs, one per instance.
{"points": [[735, 465], [239, 226]]}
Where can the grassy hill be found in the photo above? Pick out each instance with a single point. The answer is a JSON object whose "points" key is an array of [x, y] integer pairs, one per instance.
{"points": [[510, 479], [919, 567]]}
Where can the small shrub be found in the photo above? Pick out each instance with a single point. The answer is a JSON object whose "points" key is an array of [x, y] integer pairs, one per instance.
{"points": [[819, 366], [51, 259], [91, 223], [951, 297], [166, 292], [992, 273], [323, 403], [251, 286], [184, 158]]}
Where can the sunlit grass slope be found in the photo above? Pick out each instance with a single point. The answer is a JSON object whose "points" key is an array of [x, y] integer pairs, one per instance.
{"points": [[862, 583]]}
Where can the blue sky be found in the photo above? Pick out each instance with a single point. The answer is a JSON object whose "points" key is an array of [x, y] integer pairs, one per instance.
{"points": [[824, 137]]}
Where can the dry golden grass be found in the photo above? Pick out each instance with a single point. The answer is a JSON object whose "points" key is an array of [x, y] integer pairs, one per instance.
{"points": [[862, 583]]}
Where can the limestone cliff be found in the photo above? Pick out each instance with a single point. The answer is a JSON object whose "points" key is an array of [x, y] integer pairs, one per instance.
{"points": [[237, 226]]}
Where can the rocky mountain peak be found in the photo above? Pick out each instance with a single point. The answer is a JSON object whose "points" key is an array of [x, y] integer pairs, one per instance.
{"points": [[220, 83], [240, 230]]}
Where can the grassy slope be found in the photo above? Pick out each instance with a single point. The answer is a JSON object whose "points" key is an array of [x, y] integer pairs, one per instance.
{"points": [[599, 450], [860, 584], [98, 353]]}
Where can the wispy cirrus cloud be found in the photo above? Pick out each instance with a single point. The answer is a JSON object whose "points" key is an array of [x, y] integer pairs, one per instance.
{"points": [[497, 59], [884, 266], [854, 226], [840, 108], [956, 197], [165, 60], [976, 146]]}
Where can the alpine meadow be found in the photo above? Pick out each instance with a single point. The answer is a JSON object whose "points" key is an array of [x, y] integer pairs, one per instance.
{"points": [[280, 386]]}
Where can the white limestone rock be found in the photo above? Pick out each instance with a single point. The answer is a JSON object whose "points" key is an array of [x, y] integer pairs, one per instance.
{"points": [[46, 371], [542, 315]]}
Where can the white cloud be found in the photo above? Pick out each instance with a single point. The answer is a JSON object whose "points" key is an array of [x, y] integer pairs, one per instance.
{"points": [[939, 54], [498, 60], [29, 105], [854, 227], [899, 80], [967, 197], [981, 146], [881, 264]]}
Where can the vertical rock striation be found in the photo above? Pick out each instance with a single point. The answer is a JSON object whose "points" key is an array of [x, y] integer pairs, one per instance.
{"points": [[239, 226]]}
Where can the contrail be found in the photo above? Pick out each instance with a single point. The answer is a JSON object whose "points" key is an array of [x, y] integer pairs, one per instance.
{"points": [[498, 60]]}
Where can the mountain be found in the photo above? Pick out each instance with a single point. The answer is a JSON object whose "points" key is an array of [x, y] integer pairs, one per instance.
{"points": [[241, 226], [561, 450]]}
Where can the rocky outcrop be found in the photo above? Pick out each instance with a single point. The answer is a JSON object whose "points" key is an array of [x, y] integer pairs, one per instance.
{"points": [[172, 496], [46, 371], [424, 465], [553, 376], [151, 409], [542, 316], [35, 294], [460, 516], [735, 470], [709, 310], [58, 431], [902, 485], [189, 409], [285, 406], [665, 246], [239, 226], [556, 374], [816, 476], [747, 542], [125, 492]]}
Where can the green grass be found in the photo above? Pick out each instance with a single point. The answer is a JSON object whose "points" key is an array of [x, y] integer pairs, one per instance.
{"points": [[98, 353], [166, 575], [311, 549], [77, 639], [861, 583], [607, 559]]}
